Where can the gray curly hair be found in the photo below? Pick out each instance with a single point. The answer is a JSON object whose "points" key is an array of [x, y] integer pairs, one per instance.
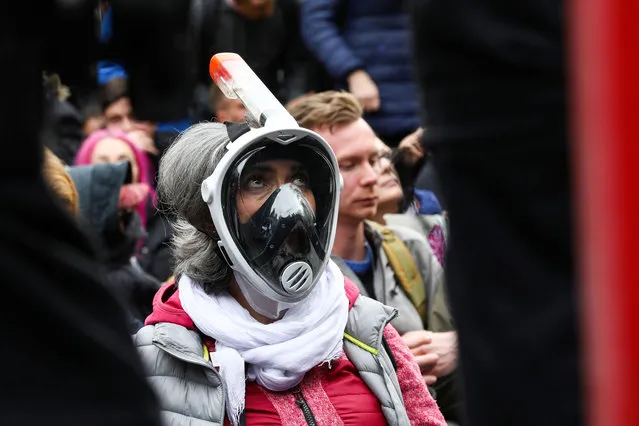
{"points": [[191, 159]]}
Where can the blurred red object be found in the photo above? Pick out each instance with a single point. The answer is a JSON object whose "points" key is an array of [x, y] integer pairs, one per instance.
{"points": [[605, 83], [132, 194]]}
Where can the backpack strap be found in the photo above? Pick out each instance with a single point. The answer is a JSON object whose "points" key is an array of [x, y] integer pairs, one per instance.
{"points": [[405, 268], [389, 352]]}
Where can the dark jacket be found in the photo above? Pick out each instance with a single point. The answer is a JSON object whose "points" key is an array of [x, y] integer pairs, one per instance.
{"points": [[271, 46], [63, 135], [98, 189], [372, 35], [155, 255]]}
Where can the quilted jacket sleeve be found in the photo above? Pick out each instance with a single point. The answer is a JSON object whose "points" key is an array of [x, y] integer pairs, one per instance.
{"points": [[321, 34]]}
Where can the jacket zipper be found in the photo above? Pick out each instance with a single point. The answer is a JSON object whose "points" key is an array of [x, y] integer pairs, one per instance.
{"points": [[301, 402]]}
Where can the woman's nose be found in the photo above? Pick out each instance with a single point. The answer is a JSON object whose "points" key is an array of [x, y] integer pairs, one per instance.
{"points": [[385, 165]]}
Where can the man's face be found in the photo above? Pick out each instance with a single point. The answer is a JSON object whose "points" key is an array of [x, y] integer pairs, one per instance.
{"points": [[255, 9], [232, 110], [119, 116], [358, 159]]}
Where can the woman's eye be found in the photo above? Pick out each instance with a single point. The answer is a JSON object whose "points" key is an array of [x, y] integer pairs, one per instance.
{"points": [[300, 180], [255, 183]]}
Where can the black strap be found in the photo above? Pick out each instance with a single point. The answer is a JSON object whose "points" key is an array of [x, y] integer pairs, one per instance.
{"points": [[235, 130], [390, 353]]}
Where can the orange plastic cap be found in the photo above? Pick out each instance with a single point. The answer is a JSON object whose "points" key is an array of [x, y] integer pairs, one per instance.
{"points": [[216, 66]]}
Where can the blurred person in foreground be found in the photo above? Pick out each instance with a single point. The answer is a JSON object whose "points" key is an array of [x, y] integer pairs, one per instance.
{"points": [[494, 90], [392, 264], [68, 357]]}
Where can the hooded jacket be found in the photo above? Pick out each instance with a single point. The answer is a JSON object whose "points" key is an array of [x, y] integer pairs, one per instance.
{"points": [[99, 191]]}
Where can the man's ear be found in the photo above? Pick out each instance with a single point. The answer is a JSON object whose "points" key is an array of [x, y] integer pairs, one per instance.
{"points": [[221, 116]]}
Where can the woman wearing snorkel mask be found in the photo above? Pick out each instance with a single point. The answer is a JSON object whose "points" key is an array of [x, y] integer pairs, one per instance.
{"points": [[260, 327]]}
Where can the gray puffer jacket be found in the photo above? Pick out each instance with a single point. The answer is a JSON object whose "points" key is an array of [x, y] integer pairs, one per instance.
{"points": [[191, 391]]}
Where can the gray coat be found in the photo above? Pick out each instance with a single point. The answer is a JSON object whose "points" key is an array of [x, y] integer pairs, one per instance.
{"points": [[389, 291], [191, 391], [387, 288]]}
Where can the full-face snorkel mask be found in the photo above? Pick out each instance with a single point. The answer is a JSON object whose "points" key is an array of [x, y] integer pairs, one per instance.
{"points": [[273, 196]]}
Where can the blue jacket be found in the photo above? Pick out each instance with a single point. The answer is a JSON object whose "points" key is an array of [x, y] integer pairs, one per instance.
{"points": [[373, 35]]}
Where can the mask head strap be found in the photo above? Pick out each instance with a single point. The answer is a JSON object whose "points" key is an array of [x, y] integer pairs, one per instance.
{"points": [[235, 130]]}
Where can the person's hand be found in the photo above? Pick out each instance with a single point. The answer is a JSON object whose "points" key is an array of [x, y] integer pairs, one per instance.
{"points": [[143, 141], [411, 147], [417, 342], [445, 346], [364, 89]]}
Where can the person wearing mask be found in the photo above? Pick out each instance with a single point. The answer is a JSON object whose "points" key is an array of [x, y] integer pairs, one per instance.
{"points": [[113, 146], [394, 265], [261, 326]]}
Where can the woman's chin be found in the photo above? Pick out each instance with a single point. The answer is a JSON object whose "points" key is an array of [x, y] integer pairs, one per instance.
{"points": [[389, 202]]}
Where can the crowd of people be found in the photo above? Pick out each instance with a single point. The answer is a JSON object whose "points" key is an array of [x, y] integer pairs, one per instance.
{"points": [[292, 273], [134, 189]]}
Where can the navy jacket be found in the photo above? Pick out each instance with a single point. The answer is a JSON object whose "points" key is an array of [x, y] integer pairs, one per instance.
{"points": [[373, 35]]}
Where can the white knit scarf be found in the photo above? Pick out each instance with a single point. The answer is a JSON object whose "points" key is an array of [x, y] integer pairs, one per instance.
{"points": [[278, 354]]}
